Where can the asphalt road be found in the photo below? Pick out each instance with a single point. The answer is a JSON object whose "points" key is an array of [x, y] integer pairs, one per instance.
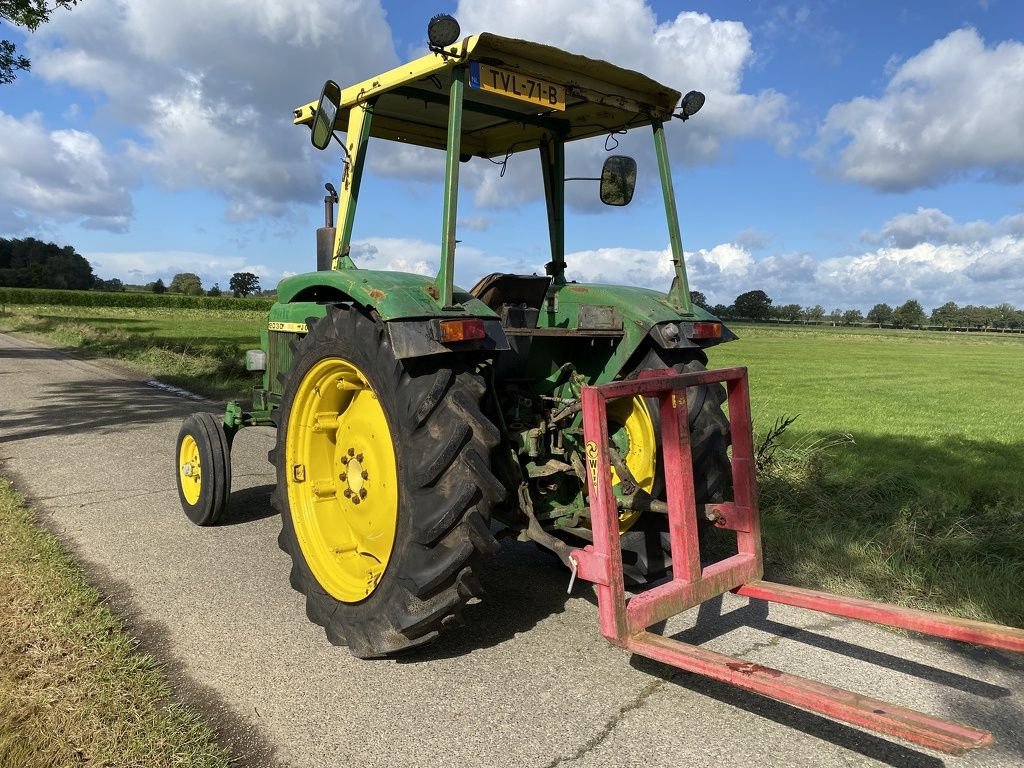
{"points": [[527, 682]]}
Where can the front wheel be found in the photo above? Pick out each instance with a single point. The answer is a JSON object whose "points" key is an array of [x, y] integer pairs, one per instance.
{"points": [[384, 484], [204, 468]]}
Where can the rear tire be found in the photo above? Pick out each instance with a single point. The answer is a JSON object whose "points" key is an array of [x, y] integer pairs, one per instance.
{"points": [[429, 482], [646, 549]]}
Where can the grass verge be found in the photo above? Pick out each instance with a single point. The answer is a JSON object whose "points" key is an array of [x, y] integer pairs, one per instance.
{"points": [[73, 688], [201, 350]]}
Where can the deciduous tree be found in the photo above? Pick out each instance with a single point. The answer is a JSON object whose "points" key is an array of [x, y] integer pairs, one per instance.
{"points": [[187, 283], [28, 14], [31, 263], [909, 313], [753, 304], [852, 317], [880, 313], [948, 315], [244, 284]]}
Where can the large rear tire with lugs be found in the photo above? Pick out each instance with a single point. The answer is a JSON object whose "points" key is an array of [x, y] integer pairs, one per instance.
{"points": [[646, 550], [384, 484]]}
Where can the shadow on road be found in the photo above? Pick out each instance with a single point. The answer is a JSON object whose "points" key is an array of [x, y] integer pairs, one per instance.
{"points": [[248, 505], [91, 405], [712, 623], [523, 587]]}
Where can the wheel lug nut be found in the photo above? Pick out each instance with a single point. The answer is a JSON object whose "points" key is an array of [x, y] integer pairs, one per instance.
{"points": [[344, 459], [362, 493], [351, 451], [348, 492], [359, 457], [364, 474], [355, 499], [343, 477]]}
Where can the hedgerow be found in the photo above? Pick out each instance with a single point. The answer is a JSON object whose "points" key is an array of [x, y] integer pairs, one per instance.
{"points": [[128, 299]]}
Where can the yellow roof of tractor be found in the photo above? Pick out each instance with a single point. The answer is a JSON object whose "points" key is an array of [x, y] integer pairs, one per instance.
{"points": [[517, 93]]}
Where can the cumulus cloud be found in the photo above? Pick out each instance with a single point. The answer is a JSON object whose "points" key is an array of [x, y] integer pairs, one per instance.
{"points": [[64, 175], [925, 255], [396, 253], [689, 51], [927, 225], [954, 109], [989, 272], [141, 267], [207, 89]]}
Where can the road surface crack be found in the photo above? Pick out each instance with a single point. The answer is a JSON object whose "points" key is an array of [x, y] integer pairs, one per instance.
{"points": [[613, 722]]}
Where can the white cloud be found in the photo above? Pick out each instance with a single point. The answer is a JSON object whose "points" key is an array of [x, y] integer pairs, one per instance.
{"points": [[208, 87], [629, 266], [985, 268], [927, 225], [141, 267], [63, 175], [689, 51], [990, 272], [396, 253], [956, 108]]}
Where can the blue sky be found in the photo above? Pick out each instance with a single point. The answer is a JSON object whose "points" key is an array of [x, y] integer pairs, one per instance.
{"points": [[848, 153]]}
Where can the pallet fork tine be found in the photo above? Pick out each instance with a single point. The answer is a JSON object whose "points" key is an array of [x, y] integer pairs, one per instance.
{"points": [[625, 621]]}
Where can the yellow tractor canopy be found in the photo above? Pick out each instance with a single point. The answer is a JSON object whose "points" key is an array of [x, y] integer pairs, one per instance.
{"points": [[517, 92]]}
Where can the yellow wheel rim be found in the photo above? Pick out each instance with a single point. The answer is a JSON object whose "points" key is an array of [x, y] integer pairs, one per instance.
{"points": [[632, 432], [342, 479], [190, 476]]}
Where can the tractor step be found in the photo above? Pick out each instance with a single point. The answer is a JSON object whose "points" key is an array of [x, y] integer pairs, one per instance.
{"points": [[624, 620]]}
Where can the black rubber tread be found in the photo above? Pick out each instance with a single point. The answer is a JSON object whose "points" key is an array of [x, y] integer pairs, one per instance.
{"points": [[646, 550], [215, 460], [443, 444]]}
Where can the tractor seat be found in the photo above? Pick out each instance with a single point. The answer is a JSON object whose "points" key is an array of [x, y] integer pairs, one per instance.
{"points": [[499, 290]]}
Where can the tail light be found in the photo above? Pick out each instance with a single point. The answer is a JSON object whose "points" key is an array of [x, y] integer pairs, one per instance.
{"points": [[462, 330], [707, 331]]}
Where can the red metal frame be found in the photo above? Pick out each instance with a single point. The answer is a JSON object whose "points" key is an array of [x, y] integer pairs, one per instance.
{"points": [[624, 621]]}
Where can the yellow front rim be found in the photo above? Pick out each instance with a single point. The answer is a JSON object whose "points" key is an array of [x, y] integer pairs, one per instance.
{"points": [[632, 431], [190, 476], [342, 479]]}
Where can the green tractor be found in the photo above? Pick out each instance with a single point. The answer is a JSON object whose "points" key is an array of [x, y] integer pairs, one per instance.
{"points": [[416, 419]]}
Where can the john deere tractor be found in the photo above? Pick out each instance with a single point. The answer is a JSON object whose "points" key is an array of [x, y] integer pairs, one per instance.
{"points": [[416, 421]]}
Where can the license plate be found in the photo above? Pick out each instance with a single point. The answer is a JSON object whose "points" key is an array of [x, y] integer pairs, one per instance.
{"points": [[516, 85]]}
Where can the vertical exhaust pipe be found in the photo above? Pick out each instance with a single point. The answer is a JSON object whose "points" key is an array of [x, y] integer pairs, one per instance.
{"points": [[325, 235]]}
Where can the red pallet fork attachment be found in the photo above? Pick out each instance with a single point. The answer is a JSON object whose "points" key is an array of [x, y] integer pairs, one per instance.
{"points": [[624, 621]]}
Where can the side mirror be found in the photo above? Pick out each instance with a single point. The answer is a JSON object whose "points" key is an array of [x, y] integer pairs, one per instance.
{"points": [[326, 113], [618, 180]]}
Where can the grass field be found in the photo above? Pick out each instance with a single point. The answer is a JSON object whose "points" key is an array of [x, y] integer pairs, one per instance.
{"points": [[73, 688], [926, 506]]}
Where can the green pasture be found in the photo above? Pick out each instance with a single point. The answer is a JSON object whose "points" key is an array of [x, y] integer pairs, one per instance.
{"points": [[902, 477]]}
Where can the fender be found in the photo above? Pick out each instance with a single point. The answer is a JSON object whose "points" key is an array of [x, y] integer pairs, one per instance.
{"points": [[406, 303]]}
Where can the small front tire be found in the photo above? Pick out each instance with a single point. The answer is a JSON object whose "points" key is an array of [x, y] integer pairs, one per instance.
{"points": [[204, 468]]}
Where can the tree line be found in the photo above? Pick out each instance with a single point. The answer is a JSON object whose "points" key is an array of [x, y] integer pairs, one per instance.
{"points": [[31, 263], [241, 284], [757, 305]]}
